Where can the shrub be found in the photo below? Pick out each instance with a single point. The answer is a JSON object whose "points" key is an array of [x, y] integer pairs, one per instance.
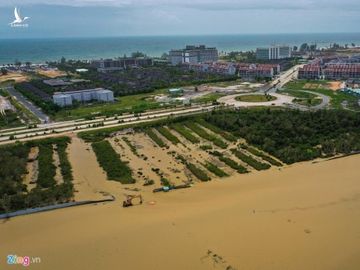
{"points": [[155, 137]]}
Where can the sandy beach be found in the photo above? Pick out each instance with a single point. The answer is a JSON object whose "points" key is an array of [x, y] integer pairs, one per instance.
{"points": [[302, 217]]}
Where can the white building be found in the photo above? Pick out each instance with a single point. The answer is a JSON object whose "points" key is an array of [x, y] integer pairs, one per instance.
{"points": [[273, 53], [193, 54], [66, 98]]}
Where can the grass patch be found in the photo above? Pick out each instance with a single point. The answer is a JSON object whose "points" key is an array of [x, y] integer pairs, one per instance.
{"points": [[209, 98], [110, 161], [131, 146], [255, 98], [250, 160], [47, 170]]}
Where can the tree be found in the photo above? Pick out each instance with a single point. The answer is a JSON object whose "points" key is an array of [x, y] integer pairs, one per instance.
{"points": [[4, 71], [304, 47], [353, 44], [18, 63], [63, 60], [295, 48]]}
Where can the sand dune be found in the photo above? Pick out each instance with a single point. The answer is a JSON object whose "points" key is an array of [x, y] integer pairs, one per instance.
{"points": [[302, 217]]}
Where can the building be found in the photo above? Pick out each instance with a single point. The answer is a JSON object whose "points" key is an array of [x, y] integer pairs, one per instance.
{"points": [[257, 71], [66, 98], [176, 92], [310, 72], [109, 65], [56, 82], [341, 71], [193, 54], [273, 53], [222, 68]]}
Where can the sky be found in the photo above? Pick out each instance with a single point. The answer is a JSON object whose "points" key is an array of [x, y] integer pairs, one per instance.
{"points": [[94, 18]]}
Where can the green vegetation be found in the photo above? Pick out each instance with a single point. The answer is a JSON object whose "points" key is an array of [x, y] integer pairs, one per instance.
{"points": [[209, 98], [185, 133], [13, 160], [47, 170], [206, 147], [200, 174], [337, 97], [255, 98], [215, 170], [303, 98], [293, 136], [9, 120], [155, 137], [250, 160], [168, 135], [131, 146], [226, 135], [202, 133], [258, 153], [233, 164], [110, 161]]}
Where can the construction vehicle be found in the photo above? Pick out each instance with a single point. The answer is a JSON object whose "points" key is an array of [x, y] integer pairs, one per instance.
{"points": [[129, 200]]}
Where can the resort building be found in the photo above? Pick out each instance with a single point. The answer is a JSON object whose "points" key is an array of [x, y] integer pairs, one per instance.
{"points": [[260, 71], [273, 53], [223, 68], [310, 72], [99, 94], [193, 54], [109, 65]]}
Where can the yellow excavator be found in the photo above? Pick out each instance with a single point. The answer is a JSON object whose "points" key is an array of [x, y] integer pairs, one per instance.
{"points": [[129, 200]]}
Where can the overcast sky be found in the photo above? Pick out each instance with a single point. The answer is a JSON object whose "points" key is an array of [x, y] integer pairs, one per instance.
{"points": [[84, 18]]}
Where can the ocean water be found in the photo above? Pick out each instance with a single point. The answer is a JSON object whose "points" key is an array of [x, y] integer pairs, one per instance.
{"points": [[42, 50]]}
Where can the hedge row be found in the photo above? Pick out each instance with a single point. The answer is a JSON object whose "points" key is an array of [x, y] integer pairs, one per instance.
{"points": [[226, 135], [265, 157], [168, 135], [110, 161], [250, 160], [185, 133], [202, 133], [155, 137], [215, 170]]}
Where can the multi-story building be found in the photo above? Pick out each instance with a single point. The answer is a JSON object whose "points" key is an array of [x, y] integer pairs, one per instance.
{"points": [[310, 72], [262, 71], [273, 53], [193, 54], [99, 94], [108, 65], [341, 71], [223, 68]]}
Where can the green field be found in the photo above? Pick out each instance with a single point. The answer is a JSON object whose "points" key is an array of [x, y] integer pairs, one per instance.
{"points": [[303, 98], [255, 98]]}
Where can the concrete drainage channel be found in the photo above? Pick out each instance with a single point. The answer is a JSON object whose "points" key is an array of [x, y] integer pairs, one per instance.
{"points": [[52, 207]]}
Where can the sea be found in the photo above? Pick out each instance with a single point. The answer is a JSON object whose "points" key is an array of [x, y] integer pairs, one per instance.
{"points": [[43, 49]]}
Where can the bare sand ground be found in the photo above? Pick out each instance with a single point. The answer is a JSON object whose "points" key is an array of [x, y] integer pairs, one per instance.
{"points": [[17, 77], [306, 216], [51, 73], [335, 86]]}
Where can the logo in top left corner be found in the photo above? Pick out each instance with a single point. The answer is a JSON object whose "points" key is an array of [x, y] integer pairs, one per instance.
{"points": [[19, 20]]}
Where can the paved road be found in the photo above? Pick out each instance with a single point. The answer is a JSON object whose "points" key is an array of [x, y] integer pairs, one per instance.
{"points": [[31, 107]]}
